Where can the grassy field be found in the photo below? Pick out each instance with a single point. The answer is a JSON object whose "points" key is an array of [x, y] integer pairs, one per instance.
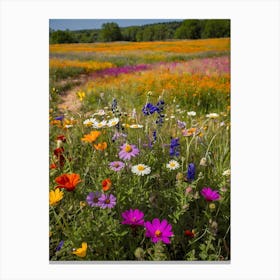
{"points": [[140, 164]]}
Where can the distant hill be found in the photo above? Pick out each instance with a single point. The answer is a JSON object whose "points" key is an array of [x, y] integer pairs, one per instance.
{"points": [[187, 29]]}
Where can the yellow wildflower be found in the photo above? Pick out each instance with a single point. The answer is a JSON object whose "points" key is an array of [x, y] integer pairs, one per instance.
{"points": [[81, 95], [81, 252], [55, 196]]}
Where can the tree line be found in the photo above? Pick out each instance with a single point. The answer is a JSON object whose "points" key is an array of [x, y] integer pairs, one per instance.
{"points": [[109, 32]]}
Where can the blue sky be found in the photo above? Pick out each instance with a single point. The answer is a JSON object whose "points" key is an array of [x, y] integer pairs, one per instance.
{"points": [[78, 24]]}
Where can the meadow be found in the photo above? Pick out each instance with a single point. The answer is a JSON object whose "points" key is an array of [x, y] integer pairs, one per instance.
{"points": [[140, 157]]}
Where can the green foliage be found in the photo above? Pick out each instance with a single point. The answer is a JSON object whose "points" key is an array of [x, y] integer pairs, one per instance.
{"points": [[187, 29], [216, 29], [62, 37], [110, 32]]}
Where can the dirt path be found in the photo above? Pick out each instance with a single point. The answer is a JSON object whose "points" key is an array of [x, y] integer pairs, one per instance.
{"points": [[69, 100]]}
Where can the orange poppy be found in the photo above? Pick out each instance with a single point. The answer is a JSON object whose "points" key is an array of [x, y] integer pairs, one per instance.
{"points": [[68, 181], [100, 146], [90, 138], [106, 184]]}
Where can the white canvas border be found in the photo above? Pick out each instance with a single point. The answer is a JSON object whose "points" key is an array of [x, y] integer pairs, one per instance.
{"points": [[24, 138]]}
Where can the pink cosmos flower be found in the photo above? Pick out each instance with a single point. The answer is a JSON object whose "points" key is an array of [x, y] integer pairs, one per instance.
{"points": [[159, 231], [133, 218], [209, 194], [128, 151], [116, 165]]}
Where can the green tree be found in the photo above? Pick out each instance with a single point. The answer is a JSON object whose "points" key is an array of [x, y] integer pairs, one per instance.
{"points": [[216, 28], [189, 29], [110, 32], [148, 33], [62, 37]]}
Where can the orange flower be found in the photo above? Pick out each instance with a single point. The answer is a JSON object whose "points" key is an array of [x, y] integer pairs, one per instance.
{"points": [[106, 184], [100, 146], [53, 166], [68, 181], [90, 138]]}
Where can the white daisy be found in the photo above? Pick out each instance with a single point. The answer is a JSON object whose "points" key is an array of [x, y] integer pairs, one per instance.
{"points": [[141, 169], [89, 122], [113, 122], [97, 124], [173, 164], [136, 126], [212, 115], [191, 113]]}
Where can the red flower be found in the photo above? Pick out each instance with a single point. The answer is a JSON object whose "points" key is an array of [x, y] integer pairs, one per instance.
{"points": [[58, 152], [68, 181], [189, 233], [61, 138], [106, 184]]}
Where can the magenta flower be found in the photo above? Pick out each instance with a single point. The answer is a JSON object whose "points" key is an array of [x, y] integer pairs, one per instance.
{"points": [[116, 165], [159, 231], [107, 201], [209, 194], [133, 218], [128, 151]]}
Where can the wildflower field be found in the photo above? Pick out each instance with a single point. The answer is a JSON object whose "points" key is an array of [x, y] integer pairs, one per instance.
{"points": [[140, 156]]}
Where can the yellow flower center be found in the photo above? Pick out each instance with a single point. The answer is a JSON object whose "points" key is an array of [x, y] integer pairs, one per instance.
{"points": [[114, 122], [107, 201], [172, 164], [100, 125], [158, 233], [140, 167], [128, 148]]}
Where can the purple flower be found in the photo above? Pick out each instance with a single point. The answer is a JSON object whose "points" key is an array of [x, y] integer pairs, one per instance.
{"points": [[149, 109], [174, 146], [93, 199], [116, 165], [59, 246], [107, 201], [159, 231], [118, 135], [181, 125], [128, 151], [59, 118], [133, 218], [209, 194], [191, 172]]}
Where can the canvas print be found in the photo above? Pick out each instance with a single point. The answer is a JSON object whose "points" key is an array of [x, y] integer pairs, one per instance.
{"points": [[139, 140]]}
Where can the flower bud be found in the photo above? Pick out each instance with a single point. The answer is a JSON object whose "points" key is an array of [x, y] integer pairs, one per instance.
{"points": [[203, 162]]}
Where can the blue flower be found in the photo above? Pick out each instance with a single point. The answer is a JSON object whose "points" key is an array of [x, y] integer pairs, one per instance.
{"points": [[191, 172], [174, 147], [59, 118], [60, 244], [149, 109]]}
